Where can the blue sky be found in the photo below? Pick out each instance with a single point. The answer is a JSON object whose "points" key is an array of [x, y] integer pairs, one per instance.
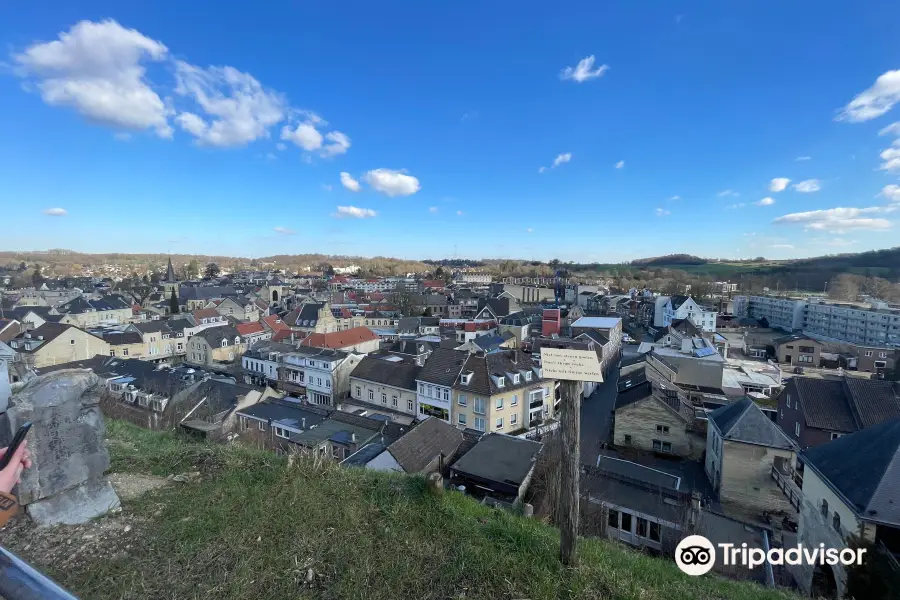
{"points": [[224, 128]]}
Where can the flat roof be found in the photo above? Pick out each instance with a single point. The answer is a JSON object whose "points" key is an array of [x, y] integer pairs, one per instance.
{"points": [[597, 322]]}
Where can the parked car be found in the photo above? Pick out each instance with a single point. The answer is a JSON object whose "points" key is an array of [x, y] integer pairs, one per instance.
{"points": [[798, 370]]}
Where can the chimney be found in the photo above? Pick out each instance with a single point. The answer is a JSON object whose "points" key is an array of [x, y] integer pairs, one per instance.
{"points": [[303, 423], [694, 518], [353, 437]]}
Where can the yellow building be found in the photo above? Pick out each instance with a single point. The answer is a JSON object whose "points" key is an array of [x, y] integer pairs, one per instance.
{"points": [[55, 343]]}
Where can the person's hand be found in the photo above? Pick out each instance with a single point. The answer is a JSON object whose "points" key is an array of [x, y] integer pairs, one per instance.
{"points": [[21, 460]]}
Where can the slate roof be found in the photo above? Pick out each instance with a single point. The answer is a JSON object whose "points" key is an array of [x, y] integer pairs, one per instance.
{"points": [[180, 323], [443, 366], [685, 327], [364, 455], [395, 374], [677, 301], [423, 443], [743, 421], [305, 316], [170, 272], [207, 292], [287, 413], [847, 405], [157, 326], [634, 394], [215, 335], [501, 307], [595, 335], [489, 342], [49, 331], [498, 364], [500, 458], [786, 339], [117, 338], [864, 468], [9, 328]]}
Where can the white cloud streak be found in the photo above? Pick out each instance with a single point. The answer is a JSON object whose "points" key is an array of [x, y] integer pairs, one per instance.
{"points": [[583, 71], [767, 201], [661, 212], [283, 230], [728, 193], [620, 164], [838, 220], [55, 212], [875, 101], [392, 183], [809, 186], [354, 212], [348, 182]]}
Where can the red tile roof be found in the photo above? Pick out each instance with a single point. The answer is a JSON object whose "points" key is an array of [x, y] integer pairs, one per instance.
{"points": [[284, 335], [205, 313], [340, 339], [249, 328], [275, 323]]}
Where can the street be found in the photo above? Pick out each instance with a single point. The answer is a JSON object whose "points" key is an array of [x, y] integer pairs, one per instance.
{"points": [[596, 418]]}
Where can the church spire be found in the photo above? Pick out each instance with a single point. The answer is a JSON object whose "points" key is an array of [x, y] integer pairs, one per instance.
{"points": [[170, 272]]}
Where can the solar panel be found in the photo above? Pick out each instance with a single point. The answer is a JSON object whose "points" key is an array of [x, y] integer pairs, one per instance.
{"points": [[700, 353]]}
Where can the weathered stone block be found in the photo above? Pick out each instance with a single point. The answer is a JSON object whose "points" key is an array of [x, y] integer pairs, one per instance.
{"points": [[79, 504], [66, 441]]}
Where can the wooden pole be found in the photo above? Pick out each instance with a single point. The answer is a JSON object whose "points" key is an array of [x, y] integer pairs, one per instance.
{"points": [[568, 510]]}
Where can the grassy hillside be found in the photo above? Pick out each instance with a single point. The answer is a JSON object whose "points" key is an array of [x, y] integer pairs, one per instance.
{"points": [[252, 527]]}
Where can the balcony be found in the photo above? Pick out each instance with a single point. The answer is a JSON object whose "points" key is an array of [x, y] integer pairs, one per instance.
{"points": [[785, 482]]}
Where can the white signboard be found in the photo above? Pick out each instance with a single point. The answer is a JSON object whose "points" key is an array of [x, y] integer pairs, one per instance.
{"points": [[572, 365]]}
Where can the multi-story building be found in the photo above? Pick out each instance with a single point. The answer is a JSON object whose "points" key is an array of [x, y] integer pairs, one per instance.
{"points": [[852, 323], [56, 343], [684, 307], [262, 363], [435, 382], [781, 313], [215, 346], [322, 374], [385, 382], [83, 312]]}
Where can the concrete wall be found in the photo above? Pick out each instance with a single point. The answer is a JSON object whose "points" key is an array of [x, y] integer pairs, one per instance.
{"points": [[747, 486], [73, 344], [695, 371], [790, 353], [639, 420]]}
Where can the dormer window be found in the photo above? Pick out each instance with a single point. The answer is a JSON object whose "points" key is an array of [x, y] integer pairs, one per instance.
{"points": [[527, 376], [224, 343], [515, 379], [501, 382], [465, 378]]}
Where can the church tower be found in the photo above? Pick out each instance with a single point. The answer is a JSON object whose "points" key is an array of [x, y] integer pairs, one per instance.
{"points": [[171, 282]]}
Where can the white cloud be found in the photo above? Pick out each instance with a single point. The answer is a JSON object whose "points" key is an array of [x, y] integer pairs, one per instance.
{"points": [[281, 147], [808, 186], [433, 209], [283, 230], [541, 169], [728, 193], [561, 159], [875, 101], [738, 205], [892, 129], [675, 198], [354, 212], [620, 164], [348, 182], [778, 184], [788, 246], [767, 201], [583, 71], [338, 143], [392, 183], [97, 69], [802, 158], [661, 212], [304, 136], [837, 219], [891, 158], [891, 192], [327, 187], [55, 212], [237, 108]]}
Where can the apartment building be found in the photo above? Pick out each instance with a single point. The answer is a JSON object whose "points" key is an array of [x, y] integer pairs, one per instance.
{"points": [[853, 323], [781, 313]]}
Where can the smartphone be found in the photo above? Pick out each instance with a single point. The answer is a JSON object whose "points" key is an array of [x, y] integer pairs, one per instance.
{"points": [[17, 441]]}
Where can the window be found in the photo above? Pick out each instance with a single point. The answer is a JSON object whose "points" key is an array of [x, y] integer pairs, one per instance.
{"points": [[528, 376], [409, 405], [835, 436], [498, 424], [626, 522], [515, 400], [446, 395], [836, 522], [261, 425], [72, 342], [394, 401], [667, 446], [882, 355], [654, 532], [627, 439], [499, 403], [641, 530], [657, 445], [358, 391], [513, 419], [797, 428], [282, 433], [478, 406], [430, 390], [461, 419], [515, 379], [664, 429], [383, 398], [422, 388], [868, 353], [612, 519], [112, 352], [461, 399], [336, 452], [824, 508], [479, 423]]}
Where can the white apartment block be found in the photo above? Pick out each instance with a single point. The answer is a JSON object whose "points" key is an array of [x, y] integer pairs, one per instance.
{"points": [[671, 308], [853, 324], [781, 313]]}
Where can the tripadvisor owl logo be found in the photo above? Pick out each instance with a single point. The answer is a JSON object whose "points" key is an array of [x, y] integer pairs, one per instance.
{"points": [[695, 555]]}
